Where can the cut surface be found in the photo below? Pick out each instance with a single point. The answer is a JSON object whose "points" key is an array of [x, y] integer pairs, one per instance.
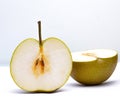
{"points": [[92, 55], [33, 73]]}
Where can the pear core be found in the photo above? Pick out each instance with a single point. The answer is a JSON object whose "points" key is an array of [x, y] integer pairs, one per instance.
{"points": [[41, 65]]}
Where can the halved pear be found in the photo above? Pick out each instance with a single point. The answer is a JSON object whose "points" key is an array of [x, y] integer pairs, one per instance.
{"points": [[42, 66], [35, 71], [93, 67]]}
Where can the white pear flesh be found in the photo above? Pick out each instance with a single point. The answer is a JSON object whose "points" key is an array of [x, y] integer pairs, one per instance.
{"points": [[57, 65], [95, 66]]}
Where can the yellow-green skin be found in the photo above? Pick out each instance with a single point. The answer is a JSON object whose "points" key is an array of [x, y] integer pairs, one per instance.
{"points": [[94, 72]]}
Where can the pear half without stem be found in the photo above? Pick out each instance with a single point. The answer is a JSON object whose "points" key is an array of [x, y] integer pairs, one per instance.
{"points": [[95, 66]]}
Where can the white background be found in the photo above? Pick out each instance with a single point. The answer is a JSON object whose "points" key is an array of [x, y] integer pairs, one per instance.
{"points": [[81, 24]]}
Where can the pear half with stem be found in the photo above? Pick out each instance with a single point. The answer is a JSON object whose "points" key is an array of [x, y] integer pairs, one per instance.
{"points": [[95, 66], [41, 66]]}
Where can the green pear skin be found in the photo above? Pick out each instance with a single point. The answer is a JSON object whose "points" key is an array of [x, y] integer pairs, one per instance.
{"points": [[94, 72]]}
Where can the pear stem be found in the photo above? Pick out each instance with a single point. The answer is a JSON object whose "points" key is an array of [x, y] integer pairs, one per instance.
{"points": [[39, 33]]}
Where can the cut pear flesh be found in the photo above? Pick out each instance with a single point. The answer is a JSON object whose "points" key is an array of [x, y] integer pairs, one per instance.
{"points": [[45, 69], [93, 66], [91, 55]]}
